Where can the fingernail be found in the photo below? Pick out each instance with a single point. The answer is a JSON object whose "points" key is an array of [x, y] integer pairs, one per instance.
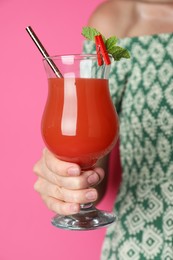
{"points": [[91, 195], [74, 171], [93, 178]]}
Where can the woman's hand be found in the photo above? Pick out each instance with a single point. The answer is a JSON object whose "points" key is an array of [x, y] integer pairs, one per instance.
{"points": [[62, 185]]}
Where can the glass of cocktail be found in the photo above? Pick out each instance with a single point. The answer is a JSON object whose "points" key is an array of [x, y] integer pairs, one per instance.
{"points": [[80, 124]]}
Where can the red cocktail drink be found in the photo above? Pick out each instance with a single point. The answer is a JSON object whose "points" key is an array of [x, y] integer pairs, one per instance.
{"points": [[79, 123]]}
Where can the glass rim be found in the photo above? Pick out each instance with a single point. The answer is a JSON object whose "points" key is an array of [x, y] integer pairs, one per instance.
{"points": [[75, 56]]}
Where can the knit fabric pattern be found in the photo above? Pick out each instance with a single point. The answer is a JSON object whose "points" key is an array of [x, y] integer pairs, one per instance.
{"points": [[142, 91]]}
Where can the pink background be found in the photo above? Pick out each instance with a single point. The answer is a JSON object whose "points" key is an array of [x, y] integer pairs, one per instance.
{"points": [[25, 229]]}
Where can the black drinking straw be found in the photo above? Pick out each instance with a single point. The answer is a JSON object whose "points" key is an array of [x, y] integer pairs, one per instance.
{"points": [[43, 52]]}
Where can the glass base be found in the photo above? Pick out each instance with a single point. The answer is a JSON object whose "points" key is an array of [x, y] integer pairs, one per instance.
{"points": [[89, 218]]}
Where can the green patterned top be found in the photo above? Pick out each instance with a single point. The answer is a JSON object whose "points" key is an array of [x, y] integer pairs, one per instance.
{"points": [[142, 91]]}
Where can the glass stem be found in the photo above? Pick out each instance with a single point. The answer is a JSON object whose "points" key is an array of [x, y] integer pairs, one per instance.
{"points": [[86, 206]]}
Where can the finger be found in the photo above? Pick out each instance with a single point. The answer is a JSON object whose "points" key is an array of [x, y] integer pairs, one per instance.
{"points": [[41, 170], [79, 196], [85, 180], [44, 169], [60, 167], [66, 195], [92, 179], [60, 207]]}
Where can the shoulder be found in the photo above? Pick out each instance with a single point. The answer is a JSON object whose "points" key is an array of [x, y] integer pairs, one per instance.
{"points": [[102, 17], [112, 17]]}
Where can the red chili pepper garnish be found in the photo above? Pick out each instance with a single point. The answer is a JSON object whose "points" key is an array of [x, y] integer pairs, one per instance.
{"points": [[101, 51], [99, 56]]}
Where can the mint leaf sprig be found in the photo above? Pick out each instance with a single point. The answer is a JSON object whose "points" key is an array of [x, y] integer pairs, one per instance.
{"points": [[112, 48]]}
